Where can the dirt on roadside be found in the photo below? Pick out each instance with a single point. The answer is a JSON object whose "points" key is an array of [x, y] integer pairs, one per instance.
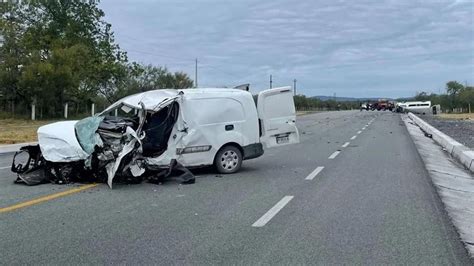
{"points": [[462, 130]]}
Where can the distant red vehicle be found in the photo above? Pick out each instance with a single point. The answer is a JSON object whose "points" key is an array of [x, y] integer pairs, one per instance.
{"points": [[383, 105]]}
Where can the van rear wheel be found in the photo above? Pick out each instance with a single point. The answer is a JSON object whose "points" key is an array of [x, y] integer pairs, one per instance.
{"points": [[228, 160]]}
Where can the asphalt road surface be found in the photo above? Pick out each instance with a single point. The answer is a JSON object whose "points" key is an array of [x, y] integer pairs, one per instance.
{"points": [[353, 191]]}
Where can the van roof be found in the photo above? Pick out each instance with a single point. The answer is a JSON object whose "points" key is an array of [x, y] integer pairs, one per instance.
{"points": [[415, 102], [153, 97]]}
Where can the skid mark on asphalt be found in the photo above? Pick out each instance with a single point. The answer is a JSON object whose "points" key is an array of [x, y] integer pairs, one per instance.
{"points": [[46, 198], [314, 173], [272, 212]]}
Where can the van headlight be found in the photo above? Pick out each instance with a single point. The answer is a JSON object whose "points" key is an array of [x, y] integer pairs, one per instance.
{"points": [[193, 149]]}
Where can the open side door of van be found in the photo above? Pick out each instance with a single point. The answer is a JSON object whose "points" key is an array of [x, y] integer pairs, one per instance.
{"points": [[277, 114]]}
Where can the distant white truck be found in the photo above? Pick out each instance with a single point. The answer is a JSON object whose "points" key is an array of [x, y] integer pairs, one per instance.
{"points": [[418, 107]]}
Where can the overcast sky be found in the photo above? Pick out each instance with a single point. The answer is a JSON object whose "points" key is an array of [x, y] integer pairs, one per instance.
{"points": [[352, 48]]}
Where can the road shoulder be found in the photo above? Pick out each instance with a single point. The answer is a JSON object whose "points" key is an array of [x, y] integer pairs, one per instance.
{"points": [[454, 184]]}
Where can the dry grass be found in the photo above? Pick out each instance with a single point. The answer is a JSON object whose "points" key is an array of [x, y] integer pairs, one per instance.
{"points": [[299, 113], [458, 116], [18, 131]]}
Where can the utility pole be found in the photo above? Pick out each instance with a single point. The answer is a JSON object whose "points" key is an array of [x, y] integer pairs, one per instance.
{"points": [[196, 74], [271, 81], [465, 86], [294, 87]]}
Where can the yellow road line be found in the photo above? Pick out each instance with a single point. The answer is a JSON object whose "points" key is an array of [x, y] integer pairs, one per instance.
{"points": [[46, 198]]}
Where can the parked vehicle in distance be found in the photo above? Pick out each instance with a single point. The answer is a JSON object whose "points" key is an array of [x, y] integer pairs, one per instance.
{"points": [[419, 107], [383, 105]]}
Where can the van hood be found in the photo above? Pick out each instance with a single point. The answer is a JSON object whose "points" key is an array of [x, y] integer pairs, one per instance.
{"points": [[58, 142]]}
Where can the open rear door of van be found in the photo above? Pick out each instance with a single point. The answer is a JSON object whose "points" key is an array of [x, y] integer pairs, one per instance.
{"points": [[277, 114]]}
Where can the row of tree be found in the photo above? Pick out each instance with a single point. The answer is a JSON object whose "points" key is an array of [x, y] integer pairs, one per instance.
{"points": [[303, 103], [54, 52], [458, 97]]}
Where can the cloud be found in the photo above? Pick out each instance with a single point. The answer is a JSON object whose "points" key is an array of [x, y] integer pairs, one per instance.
{"points": [[354, 48]]}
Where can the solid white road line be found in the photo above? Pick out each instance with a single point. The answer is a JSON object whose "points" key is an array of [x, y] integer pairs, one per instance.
{"points": [[314, 173], [6, 167], [354, 137], [358, 132], [346, 144], [334, 155], [272, 212]]}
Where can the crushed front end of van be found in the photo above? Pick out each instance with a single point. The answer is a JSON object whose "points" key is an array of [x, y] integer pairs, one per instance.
{"points": [[103, 148]]}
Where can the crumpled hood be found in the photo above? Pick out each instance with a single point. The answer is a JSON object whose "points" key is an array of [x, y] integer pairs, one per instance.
{"points": [[58, 142]]}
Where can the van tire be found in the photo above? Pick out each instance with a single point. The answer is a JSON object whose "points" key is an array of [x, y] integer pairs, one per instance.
{"points": [[228, 160]]}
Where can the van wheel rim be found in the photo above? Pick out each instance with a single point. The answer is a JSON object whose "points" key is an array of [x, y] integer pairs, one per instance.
{"points": [[229, 160]]}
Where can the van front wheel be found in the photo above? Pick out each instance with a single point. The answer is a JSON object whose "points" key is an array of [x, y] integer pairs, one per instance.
{"points": [[228, 160]]}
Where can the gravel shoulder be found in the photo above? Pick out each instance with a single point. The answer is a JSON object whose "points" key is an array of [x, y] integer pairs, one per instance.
{"points": [[460, 130]]}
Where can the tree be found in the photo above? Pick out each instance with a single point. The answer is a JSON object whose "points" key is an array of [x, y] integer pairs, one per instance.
{"points": [[454, 87], [12, 54], [65, 49], [466, 97], [141, 78], [422, 96]]}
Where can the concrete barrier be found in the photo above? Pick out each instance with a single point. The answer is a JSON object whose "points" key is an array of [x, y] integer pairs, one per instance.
{"points": [[462, 153]]}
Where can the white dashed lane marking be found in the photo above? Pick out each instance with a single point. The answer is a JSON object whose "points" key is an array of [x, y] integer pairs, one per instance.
{"points": [[314, 173], [353, 137], [345, 144], [358, 132], [272, 212], [334, 155], [4, 167]]}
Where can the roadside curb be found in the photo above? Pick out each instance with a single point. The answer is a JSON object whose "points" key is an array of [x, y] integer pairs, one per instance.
{"points": [[14, 147], [462, 153]]}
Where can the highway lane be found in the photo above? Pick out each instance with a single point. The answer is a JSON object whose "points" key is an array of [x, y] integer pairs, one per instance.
{"points": [[372, 203]]}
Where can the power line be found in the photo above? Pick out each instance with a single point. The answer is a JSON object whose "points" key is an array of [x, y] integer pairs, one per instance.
{"points": [[160, 55], [186, 59]]}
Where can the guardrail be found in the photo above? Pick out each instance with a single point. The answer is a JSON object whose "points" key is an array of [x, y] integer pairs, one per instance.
{"points": [[462, 153]]}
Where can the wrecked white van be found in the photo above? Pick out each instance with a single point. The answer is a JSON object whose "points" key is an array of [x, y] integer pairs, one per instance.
{"points": [[154, 132]]}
